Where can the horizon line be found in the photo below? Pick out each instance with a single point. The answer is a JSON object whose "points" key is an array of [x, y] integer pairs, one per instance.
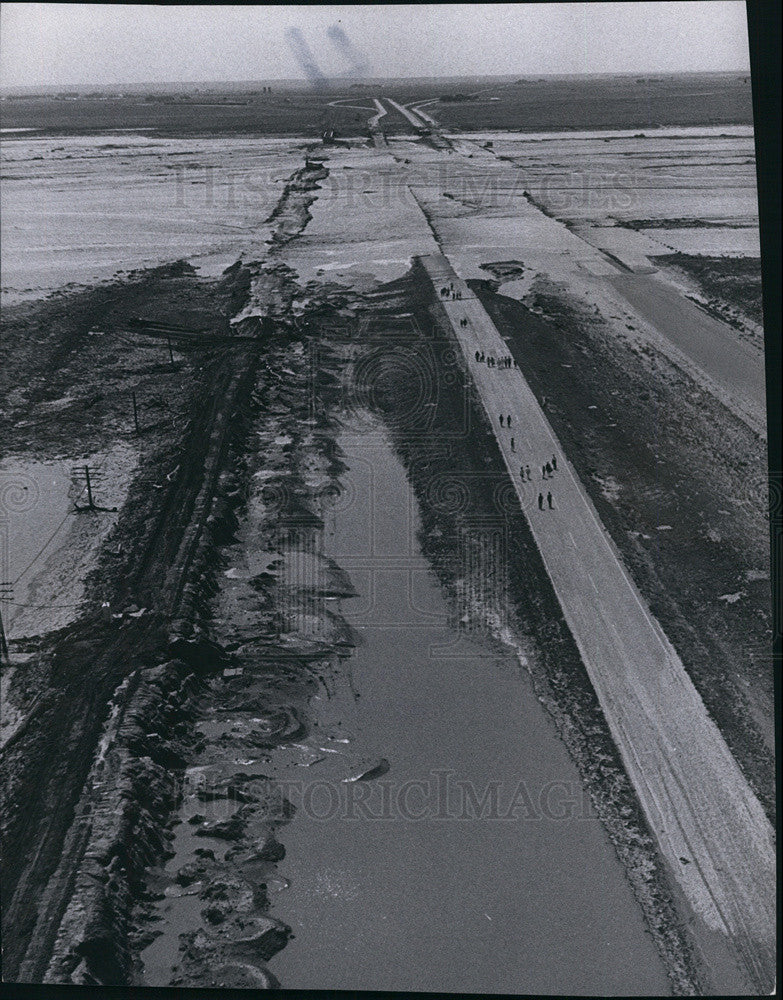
{"points": [[368, 81]]}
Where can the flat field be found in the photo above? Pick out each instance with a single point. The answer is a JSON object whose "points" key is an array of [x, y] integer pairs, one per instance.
{"points": [[530, 105]]}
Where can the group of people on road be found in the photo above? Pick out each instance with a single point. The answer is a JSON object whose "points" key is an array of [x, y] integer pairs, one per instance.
{"points": [[491, 361], [548, 469]]}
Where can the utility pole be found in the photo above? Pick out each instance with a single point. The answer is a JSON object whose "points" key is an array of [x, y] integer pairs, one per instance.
{"points": [[88, 482], [6, 593], [90, 504], [5, 659]]}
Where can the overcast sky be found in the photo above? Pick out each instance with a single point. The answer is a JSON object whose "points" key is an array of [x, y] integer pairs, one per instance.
{"points": [[105, 43]]}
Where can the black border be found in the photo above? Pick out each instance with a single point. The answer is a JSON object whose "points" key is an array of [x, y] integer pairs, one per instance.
{"points": [[764, 33]]}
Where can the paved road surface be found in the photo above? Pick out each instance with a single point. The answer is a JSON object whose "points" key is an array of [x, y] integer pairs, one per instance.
{"points": [[412, 118], [382, 112], [710, 827], [710, 344]]}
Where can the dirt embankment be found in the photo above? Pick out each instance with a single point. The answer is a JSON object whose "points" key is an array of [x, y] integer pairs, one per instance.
{"points": [[502, 589], [159, 543], [292, 212], [88, 771], [679, 484], [277, 637]]}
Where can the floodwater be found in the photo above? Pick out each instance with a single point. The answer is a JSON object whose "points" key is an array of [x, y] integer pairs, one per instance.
{"points": [[695, 173], [395, 883], [710, 343], [81, 209]]}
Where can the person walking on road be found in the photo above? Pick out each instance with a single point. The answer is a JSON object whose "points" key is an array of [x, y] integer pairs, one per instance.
{"points": [[549, 501], [529, 477], [548, 468], [543, 472], [554, 462], [508, 420], [540, 501], [512, 444], [478, 356], [501, 419]]}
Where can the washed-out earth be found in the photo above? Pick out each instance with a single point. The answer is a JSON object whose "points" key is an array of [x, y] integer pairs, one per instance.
{"points": [[301, 686]]}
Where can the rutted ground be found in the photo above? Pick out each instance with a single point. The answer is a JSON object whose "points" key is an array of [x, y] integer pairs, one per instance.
{"points": [[276, 637], [141, 601]]}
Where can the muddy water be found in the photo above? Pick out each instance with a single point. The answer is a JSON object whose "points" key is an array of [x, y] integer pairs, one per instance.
{"points": [[392, 881]]}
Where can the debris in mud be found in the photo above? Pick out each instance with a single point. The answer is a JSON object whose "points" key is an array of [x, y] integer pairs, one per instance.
{"points": [[375, 769], [176, 891]]}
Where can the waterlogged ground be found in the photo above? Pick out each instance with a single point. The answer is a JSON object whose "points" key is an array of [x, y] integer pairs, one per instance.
{"points": [[379, 892], [52, 536], [76, 210], [79, 209], [659, 174]]}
